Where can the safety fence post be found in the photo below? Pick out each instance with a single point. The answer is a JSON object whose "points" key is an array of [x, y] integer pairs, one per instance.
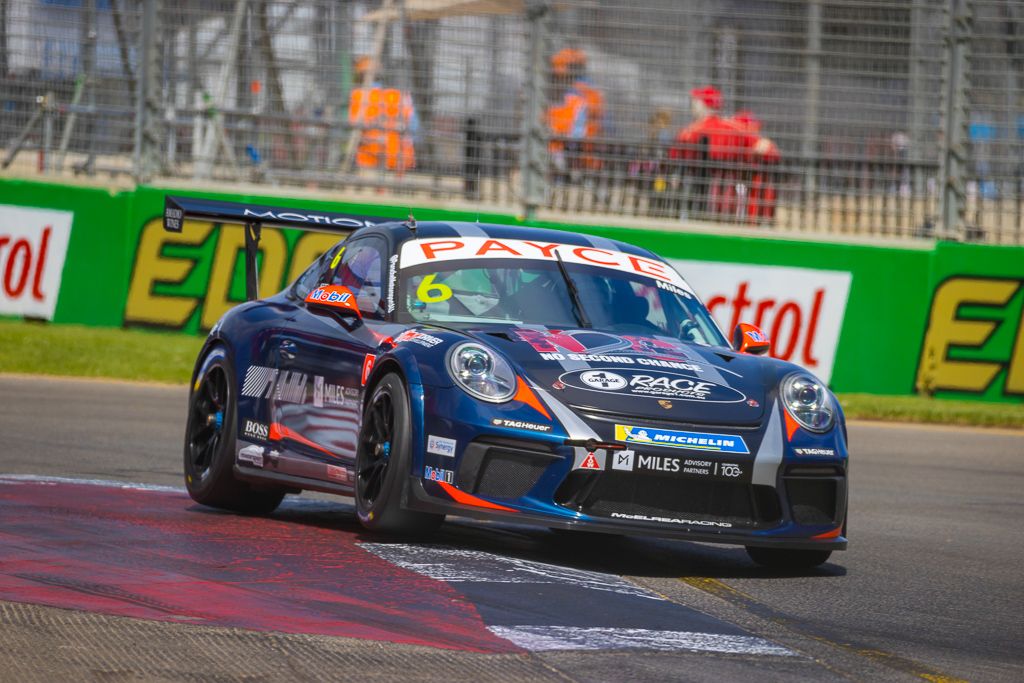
{"points": [[955, 117], [533, 145], [145, 159]]}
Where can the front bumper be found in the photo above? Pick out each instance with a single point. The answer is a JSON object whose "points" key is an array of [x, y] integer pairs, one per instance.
{"points": [[534, 478]]}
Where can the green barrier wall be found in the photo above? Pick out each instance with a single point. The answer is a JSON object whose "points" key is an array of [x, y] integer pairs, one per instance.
{"points": [[946, 320]]}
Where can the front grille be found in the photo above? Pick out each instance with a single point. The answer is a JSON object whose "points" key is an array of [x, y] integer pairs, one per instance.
{"points": [[502, 468], [813, 500], [737, 504], [508, 475]]}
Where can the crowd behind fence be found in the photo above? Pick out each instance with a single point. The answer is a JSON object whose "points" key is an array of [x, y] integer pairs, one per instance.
{"points": [[900, 118]]}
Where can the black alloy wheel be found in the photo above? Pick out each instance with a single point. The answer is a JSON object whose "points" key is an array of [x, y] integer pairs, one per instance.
{"points": [[210, 443], [383, 461]]}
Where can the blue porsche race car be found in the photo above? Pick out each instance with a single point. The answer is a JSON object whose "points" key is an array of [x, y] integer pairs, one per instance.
{"points": [[508, 373]]}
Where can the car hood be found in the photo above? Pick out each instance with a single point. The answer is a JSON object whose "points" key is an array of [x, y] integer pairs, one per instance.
{"points": [[657, 378]]}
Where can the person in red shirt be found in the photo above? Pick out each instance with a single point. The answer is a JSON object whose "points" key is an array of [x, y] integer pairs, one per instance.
{"points": [[710, 150], [760, 157]]}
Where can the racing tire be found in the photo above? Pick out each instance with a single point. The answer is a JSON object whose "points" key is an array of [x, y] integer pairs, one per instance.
{"points": [[210, 443], [383, 459], [782, 558]]}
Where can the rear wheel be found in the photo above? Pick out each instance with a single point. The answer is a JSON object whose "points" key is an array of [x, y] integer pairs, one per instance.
{"points": [[210, 443], [782, 558], [383, 459]]}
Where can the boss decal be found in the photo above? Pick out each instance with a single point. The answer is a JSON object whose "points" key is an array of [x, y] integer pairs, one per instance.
{"points": [[255, 430], [657, 385]]}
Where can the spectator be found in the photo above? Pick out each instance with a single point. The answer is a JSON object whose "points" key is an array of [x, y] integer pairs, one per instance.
{"points": [[760, 157], [576, 118], [710, 150], [388, 122]]}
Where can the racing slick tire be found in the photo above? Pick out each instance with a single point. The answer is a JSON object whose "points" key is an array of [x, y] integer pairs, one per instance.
{"points": [[782, 558], [210, 443], [383, 457]]}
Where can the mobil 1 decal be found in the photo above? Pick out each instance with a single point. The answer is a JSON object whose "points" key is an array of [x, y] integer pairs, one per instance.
{"points": [[654, 384]]}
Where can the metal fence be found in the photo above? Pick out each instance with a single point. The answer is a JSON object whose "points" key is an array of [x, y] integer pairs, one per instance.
{"points": [[859, 117]]}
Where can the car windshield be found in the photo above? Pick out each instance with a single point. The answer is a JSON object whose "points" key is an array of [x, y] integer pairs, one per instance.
{"points": [[535, 292]]}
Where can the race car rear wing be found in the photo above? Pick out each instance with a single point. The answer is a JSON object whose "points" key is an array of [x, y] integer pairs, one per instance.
{"points": [[255, 217]]}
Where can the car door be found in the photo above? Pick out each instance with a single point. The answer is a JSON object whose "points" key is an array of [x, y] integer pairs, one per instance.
{"points": [[321, 360]]}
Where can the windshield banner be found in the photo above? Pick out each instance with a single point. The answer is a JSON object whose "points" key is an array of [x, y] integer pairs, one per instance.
{"points": [[419, 252]]}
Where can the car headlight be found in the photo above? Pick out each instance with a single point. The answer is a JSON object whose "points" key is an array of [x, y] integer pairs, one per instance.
{"points": [[482, 373], [808, 402]]}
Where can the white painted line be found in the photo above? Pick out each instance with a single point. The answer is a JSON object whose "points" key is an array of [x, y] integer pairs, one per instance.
{"points": [[41, 479], [446, 563], [538, 638]]}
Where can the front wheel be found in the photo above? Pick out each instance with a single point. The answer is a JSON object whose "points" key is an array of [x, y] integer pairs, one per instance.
{"points": [[383, 459], [210, 443], [782, 558]]}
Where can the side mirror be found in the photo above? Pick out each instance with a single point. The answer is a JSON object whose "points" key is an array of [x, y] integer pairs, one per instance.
{"points": [[333, 299], [747, 338]]}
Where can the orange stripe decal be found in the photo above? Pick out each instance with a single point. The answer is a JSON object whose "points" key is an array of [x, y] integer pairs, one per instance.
{"points": [[278, 432], [466, 499], [526, 395], [829, 534], [791, 425]]}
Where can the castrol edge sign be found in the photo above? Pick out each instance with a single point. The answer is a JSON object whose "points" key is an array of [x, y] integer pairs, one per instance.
{"points": [[800, 309], [33, 244]]}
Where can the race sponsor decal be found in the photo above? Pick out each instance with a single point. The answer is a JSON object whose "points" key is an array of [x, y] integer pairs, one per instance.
{"points": [[326, 394], [623, 460], [339, 474], [602, 379], [670, 438], [802, 322], [423, 339], [392, 281], [589, 460], [259, 381], [439, 445], [252, 455], [438, 474], [696, 467], [291, 387], [33, 247], [255, 430], [367, 368], [821, 452], [672, 520], [602, 347], [656, 385], [418, 252], [264, 382], [520, 424]]}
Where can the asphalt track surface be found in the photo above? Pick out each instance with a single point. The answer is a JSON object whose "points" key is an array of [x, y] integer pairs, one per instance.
{"points": [[107, 582]]}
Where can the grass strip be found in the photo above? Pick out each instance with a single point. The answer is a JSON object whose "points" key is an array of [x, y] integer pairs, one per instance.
{"points": [[44, 349], [932, 410]]}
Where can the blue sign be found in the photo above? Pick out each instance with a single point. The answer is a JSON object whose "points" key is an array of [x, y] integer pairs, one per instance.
{"points": [[670, 438]]}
